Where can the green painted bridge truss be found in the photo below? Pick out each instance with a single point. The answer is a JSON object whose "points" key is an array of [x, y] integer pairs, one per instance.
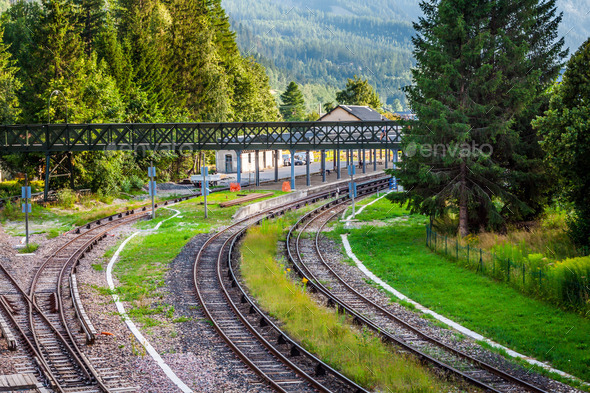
{"points": [[54, 138]]}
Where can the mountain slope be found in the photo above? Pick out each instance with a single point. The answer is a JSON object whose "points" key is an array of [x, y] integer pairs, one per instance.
{"points": [[320, 43]]}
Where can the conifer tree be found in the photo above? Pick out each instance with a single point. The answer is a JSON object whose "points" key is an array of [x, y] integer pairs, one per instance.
{"points": [[359, 92], [564, 129], [479, 67], [197, 74], [9, 86], [293, 106], [144, 28]]}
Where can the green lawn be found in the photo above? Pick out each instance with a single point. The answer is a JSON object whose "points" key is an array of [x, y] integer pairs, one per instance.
{"points": [[143, 263], [397, 253]]}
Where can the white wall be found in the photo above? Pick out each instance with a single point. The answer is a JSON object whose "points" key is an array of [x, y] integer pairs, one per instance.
{"points": [[248, 160]]}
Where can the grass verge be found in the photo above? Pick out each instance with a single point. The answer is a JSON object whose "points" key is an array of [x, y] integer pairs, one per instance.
{"points": [[358, 354], [397, 253], [143, 264]]}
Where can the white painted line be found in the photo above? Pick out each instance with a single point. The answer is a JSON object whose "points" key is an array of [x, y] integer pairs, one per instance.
{"points": [[359, 211], [149, 348], [447, 321]]}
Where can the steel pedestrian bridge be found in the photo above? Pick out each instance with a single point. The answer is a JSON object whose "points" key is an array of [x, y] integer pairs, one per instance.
{"points": [[54, 138]]}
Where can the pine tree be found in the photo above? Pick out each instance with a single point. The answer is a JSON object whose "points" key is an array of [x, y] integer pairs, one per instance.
{"points": [[57, 63], [564, 129], [92, 19], [359, 92], [293, 106], [9, 86], [479, 66], [144, 28], [197, 74]]}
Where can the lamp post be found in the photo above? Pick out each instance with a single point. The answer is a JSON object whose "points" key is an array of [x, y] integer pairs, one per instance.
{"points": [[55, 93]]}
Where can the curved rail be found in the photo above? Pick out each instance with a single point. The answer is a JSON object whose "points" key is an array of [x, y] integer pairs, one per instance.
{"points": [[212, 292], [358, 317]]}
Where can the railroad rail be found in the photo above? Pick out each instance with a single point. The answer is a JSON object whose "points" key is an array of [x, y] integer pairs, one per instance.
{"points": [[266, 350], [308, 260], [45, 316]]}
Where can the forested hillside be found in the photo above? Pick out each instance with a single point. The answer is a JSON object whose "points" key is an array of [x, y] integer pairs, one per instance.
{"points": [[93, 61], [138, 61], [320, 43]]}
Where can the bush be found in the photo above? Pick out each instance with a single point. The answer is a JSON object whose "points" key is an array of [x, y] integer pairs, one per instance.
{"points": [[126, 185], [66, 198], [137, 182], [571, 281], [11, 211]]}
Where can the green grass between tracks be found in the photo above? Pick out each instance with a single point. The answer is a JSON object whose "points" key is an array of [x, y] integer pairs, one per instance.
{"points": [[144, 262], [358, 354], [397, 253]]}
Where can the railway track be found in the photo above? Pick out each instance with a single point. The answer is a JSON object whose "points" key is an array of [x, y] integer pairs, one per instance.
{"points": [[258, 342], [308, 260], [47, 317], [50, 320]]}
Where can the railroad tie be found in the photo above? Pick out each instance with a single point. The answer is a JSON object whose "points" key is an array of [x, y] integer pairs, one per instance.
{"points": [[7, 334]]}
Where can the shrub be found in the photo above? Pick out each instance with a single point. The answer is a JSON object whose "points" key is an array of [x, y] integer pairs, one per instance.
{"points": [[570, 281], [66, 198], [11, 211], [126, 185], [137, 182]]}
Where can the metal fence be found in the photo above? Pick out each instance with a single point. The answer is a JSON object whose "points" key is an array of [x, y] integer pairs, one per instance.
{"points": [[571, 289]]}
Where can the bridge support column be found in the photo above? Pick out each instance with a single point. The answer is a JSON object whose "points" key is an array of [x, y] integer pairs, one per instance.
{"points": [[374, 160], [323, 166], [364, 161], [307, 172], [338, 174], [347, 157], [47, 163], [334, 159], [257, 166], [292, 169], [71, 168], [386, 158], [239, 166], [395, 158], [276, 166]]}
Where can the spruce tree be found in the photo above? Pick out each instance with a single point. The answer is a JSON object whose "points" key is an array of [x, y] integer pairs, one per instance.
{"points": [[144, 28], [293, 106], [9, 86], [197, 74], [479, 66]]}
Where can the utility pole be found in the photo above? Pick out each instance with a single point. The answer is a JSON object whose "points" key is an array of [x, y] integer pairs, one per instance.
{"points": [[26, 194], [204, 188], [152, 187]]}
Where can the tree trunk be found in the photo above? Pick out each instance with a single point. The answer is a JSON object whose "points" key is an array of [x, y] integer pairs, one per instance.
{"points": [[463, 214]]}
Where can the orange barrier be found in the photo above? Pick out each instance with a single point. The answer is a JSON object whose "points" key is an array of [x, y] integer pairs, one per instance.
{"points": [[286, 186], [234, 187]]}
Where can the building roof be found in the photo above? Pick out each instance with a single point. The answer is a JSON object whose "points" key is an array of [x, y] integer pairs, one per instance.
{"points": [[363, 113]]}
